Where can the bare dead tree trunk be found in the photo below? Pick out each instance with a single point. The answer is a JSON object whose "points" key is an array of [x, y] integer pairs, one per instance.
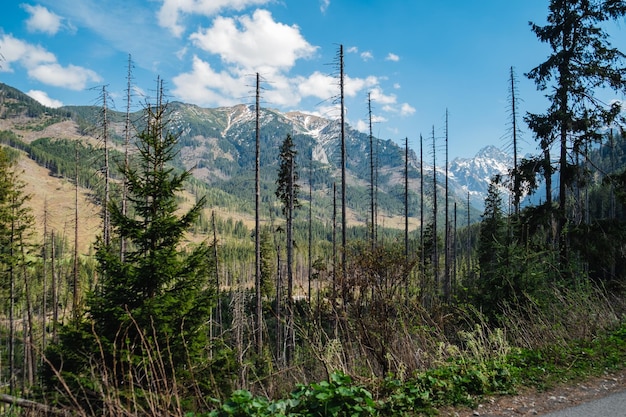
{"points": [[469, 239], [44, 284], [127, 135], [406, 218], [75, 265], [447, 284], [217, 271], [30, 365], [11, 274], [257, 224], [422, 252], [54, 288], [106, 225], [516, 190], [310, 254], [334, 241], [435, 249], [372, 179], [454, 253], [343, 178]]}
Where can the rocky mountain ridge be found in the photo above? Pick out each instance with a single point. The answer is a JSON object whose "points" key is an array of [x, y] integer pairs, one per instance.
{"points": [[219, 144]]}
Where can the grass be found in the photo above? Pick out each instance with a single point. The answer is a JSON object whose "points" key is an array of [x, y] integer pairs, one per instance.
{"points": [[459, 381]]}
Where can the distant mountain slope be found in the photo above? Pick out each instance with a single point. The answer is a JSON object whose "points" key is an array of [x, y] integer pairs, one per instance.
{"points": [[219, 144], [473, 175]]}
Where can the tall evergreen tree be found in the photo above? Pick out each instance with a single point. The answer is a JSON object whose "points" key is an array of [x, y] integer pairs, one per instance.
{"points": [[491, 241], [158, 283], [287, 192], [581, 61], [154, 300], [15, 221]]}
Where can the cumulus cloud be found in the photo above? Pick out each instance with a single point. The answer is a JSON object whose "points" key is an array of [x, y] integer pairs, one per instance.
{"points": [[318, 85], [43, 98], [43, 66], [353, 86], [256, 42], [366, 56], [406, 109], [353, 50], [379, 97], [206, 87], [170, 12], [42, 20], [392, 57], [72, 77]]}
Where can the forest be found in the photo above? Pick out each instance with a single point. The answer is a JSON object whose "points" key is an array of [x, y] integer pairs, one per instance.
{"points": [[179, 309]]}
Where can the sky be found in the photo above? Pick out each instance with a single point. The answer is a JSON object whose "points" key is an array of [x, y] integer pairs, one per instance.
{"points": [[418, 60]]}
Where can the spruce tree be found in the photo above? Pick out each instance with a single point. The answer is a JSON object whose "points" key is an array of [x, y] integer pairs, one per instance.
{"points": [[147, 321], [489, 288], [581, 61], [157, 283], [16, 221], [287, 192]]}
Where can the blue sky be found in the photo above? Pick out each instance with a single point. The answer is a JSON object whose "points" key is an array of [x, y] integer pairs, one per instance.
{"points": [[417, 58]]}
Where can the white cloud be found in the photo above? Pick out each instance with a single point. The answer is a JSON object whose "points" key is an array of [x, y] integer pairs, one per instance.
{"points": [[353, 86], [379, 97], [406, 109], [319, 85], [324, 5], [43, 66], [42, 20], [17, 51], [392, 57], [43, 98], [180, 54], [171, 10], [364, 125], [72, 76], [396, 86], [206, 87], [352, 50], [366, 56], [255, 43]]}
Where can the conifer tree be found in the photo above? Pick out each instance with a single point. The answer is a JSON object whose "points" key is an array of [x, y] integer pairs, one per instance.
{"points": [[287, 192], [154, 301], [158, 283], [491, 240], [581, 61], [15, 222]]}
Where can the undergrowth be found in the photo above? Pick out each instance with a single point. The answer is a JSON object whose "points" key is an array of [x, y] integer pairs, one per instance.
{"points": [[462, 380]]}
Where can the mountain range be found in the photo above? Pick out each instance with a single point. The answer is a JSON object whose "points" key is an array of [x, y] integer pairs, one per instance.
{"points": [[219, 144]]}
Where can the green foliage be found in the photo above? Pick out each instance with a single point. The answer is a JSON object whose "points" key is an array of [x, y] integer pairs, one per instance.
{"points": [[155, 300], [157, 284], [547, 366], [337, 397], [268, 263]]}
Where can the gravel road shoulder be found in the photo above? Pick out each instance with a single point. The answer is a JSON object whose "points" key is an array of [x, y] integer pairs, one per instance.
{"points": [[529, 402]]}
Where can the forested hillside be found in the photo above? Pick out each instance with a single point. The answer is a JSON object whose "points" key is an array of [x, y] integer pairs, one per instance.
{"points": [[183, 261]]}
